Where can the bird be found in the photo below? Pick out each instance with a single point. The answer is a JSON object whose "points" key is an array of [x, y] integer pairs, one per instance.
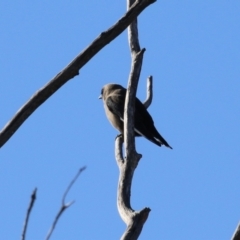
{"points": [[113, 96]]}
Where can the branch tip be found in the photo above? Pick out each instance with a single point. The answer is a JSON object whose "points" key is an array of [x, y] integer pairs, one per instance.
{"points": [[144, 214], [149, 97], [32, 201], [71, 184]]}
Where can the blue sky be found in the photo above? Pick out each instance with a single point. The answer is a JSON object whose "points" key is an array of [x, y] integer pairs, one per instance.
{"points": [[193, 53]]}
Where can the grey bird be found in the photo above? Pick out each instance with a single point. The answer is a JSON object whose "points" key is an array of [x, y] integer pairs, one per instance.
{"points": [[113, 96]]}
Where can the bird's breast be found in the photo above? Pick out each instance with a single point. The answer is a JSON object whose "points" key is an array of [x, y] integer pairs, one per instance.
{"points": [[114, 119]]}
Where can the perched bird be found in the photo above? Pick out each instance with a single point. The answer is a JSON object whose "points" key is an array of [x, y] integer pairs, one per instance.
{"points": [[113, 96]]}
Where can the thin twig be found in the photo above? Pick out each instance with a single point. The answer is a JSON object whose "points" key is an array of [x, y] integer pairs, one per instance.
{"points": [[25, 225], [71, 183], [64, 205], [71, 70]]}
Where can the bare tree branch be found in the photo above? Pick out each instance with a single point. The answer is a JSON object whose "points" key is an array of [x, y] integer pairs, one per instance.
{"points": [[236, 235], [133, 219], [133, 32], [64, 205], [129, 108], [33, 198], [149, 98], [71, 70]]}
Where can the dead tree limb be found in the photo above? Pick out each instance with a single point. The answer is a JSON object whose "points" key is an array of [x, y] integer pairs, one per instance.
{"points": [[133, 219], [32, 201], [64, 205], [71, 70]]}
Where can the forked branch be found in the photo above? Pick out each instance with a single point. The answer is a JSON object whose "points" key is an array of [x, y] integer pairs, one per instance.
{"points": [[133, 219], [64, 205]]}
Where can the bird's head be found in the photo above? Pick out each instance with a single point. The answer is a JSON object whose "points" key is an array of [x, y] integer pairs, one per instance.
{"points": [[109, 88]]}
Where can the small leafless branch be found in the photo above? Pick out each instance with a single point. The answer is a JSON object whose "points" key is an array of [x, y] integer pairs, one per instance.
{"points": [[71, 70], [71, 184], [236, 235], [149, 98], [32, 201], [64, 205]]}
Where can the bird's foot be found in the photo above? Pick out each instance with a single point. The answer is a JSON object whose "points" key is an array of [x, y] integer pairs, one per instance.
{"points": [[119, 136]]}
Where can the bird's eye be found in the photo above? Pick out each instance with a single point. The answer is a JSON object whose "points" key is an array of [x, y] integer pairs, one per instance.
{"points": [[102, 91]]}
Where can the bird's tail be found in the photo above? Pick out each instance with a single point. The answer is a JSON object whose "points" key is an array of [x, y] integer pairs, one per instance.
{"points": [[154, 137], [159, 140]]}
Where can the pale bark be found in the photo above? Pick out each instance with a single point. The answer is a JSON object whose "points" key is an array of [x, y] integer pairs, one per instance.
{"points": [[149, 97], [133, 219]]}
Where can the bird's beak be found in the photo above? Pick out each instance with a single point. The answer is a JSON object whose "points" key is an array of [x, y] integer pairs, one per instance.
{"points": [[100, 97]]}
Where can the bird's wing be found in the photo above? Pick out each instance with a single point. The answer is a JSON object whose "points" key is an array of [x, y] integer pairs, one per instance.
{"points": [[142, 118], [115, 104], [144, 125], [143, 121]]}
